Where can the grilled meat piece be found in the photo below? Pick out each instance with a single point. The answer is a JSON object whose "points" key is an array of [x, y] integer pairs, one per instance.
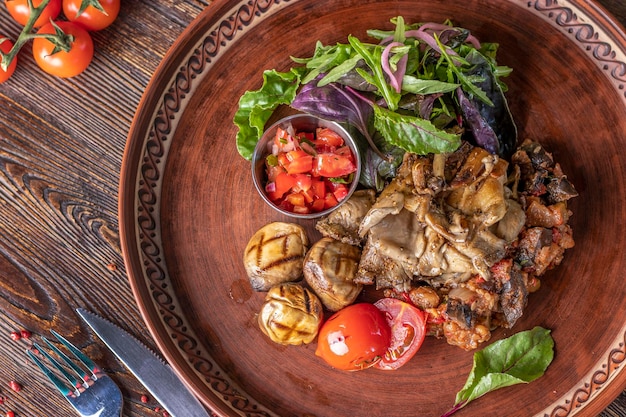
{"points": [[343, 223], [466, 236]]}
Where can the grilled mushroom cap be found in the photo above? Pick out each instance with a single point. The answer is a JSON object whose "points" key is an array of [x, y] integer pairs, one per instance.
{"points": [[274, 255], [291, 314], [329, 269]]}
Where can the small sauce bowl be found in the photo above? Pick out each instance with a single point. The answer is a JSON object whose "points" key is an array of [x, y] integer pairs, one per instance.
{"points": [[299, 123]]}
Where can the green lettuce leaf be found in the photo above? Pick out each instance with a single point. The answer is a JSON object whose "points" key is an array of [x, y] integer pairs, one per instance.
{"points": [[256, 107]]}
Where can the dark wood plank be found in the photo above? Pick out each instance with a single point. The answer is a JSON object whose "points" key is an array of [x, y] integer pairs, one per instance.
{"points": [[61, 146]]}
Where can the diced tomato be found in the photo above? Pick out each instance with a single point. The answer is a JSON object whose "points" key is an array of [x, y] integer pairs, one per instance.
{"points": [[283, 184], [309, 197], [319, 189], [305, 136], [300, 162], [300, 168], [340, 191], [328, 137], [296, 154], [330, 201], [297, 199], [283, 142], [345, 151], [317, 205], [303, 182], [331, 165], [301, 209], [282, 159], [273, 171]]}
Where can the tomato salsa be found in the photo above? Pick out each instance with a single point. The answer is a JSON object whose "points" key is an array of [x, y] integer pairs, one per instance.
{"points": [[309, 172]]}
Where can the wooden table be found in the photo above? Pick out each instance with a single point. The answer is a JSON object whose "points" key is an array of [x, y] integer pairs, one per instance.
{"points": [[61, 148]]}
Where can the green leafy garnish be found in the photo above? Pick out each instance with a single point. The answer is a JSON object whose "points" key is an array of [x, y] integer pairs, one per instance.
{"points": [[413, 134], [419, 88], [256, 107], [518, 359]]}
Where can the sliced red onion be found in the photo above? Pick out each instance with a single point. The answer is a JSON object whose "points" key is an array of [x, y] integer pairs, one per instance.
{"points": [[395, 78], [428, 39]]}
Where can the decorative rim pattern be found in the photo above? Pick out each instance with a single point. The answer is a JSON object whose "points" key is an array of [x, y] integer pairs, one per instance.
{"points": [[604, 52], [155, 148]]}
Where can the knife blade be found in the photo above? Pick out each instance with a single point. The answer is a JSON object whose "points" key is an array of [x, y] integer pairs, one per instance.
{"points": [[154, 373]]}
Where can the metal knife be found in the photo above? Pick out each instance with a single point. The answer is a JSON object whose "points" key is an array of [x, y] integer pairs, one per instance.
{"points": [[154, 373]]}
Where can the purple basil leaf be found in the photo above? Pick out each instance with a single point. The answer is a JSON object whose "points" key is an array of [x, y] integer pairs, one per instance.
{"points": [[335, 103], [498, 116], [483, 133]]}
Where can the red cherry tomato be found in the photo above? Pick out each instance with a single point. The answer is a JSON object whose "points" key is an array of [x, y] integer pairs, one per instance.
{"points": [[19, 11], [354, 338], [64, 64], [5, 46], [92, 14], [408, 329]]}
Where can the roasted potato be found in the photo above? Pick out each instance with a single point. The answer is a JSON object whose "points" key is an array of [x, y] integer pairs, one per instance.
{"points": [[275, 254], [291, 314], [329, 269]]}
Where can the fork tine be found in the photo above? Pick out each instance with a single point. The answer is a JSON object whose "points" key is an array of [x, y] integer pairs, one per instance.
{"points": [[66, 360], [58, 383], [74, 382], [89, 364]]}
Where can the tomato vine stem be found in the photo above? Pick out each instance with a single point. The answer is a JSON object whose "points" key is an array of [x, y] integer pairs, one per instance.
{"points": [[61, 41]]}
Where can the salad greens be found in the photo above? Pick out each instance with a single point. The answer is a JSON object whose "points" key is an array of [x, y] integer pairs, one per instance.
{"points": [[521, 358], [420, 88]]}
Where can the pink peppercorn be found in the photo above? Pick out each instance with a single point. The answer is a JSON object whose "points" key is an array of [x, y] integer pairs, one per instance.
{"points": [[15, 386]]}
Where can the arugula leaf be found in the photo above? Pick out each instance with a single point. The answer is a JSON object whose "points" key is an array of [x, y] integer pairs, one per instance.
{"points": [[466, 81], [371, 55], [521, 358], [413, 134], [340, 70], [256, 107], [326, 59], [415, 85]]}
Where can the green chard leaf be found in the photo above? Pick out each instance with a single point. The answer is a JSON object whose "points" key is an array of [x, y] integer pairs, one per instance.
{"points": [[521, 358], [413, 134], [256, 107]]}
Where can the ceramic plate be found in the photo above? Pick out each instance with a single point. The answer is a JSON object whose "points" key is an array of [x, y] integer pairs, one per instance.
{"points": [[188, 207]]}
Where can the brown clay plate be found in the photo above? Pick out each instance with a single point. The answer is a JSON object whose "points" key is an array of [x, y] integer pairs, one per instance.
{"points": [[188, 206]]}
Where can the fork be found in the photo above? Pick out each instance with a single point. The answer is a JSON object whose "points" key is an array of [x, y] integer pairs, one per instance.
{"points": [[88, 389]]}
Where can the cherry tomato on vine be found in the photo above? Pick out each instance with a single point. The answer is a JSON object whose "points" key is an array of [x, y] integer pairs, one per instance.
{"points": [[92, 14], [64, 64], [19, 11], [5, 46], [354, 338], [408, 329]]}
